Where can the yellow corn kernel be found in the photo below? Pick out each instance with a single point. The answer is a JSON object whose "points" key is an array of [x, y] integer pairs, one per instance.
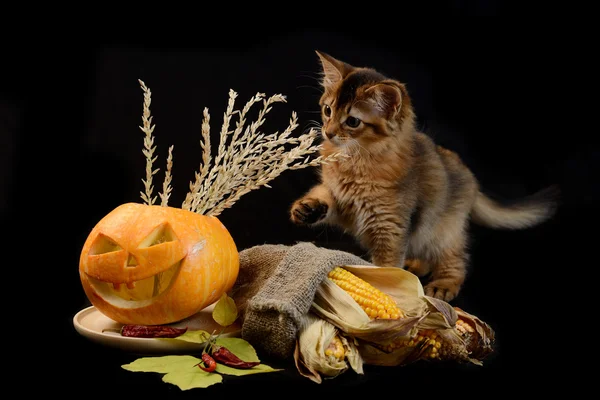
{"points": [[336, 349], [373, 301], [464, 327], [429, 342], [426, 341]]}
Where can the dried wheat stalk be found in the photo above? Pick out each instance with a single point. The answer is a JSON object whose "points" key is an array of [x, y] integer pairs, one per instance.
{"points": [[149, 147], [166, 193], [246, 158]]}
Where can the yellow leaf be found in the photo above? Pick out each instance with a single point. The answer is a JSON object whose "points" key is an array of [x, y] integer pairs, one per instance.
{"points": [[225, 312]]}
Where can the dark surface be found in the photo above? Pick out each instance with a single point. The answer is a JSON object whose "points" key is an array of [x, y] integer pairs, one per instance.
{"points": [[505, 99]]}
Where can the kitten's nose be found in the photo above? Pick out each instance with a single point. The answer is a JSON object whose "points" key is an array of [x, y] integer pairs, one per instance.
{"points": [[329, 133]]}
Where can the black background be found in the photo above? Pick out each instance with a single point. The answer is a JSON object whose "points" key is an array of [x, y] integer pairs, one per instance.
{"points": [[508, 97]]}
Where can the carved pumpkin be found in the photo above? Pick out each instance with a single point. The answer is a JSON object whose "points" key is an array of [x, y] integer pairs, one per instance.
{"points": [[147, 264]]}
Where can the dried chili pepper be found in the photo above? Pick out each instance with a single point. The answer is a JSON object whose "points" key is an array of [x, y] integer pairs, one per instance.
{"points": [[226, 357], [151, 331], [209, 363]]}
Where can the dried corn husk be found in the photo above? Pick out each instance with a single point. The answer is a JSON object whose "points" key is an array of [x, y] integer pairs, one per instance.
{"points": [[335, 305], [422, 313], [472, 347], [314, 338], [480, 344], [373, 354]]}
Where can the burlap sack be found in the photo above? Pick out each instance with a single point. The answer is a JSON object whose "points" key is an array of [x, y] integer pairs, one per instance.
{"points": [[276, 287]]}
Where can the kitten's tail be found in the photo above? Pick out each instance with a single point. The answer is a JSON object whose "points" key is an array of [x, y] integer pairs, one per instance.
{"points": [[523, 213]]}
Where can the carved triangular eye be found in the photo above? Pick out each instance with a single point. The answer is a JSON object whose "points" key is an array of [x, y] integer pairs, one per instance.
{"points": [[132, 261], [103, 244], [161, 234]]}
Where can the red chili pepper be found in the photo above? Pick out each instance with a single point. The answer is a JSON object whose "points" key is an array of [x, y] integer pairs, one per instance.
{"points": [[151, 331], [209, 363], [226, 357]]}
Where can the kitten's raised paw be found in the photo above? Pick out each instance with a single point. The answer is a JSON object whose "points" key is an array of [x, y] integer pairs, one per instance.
{"points": [[442, 289], [308, 211]]}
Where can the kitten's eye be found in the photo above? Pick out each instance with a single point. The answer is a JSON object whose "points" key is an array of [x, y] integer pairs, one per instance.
{"points": [[352, 122], [327, 110]]}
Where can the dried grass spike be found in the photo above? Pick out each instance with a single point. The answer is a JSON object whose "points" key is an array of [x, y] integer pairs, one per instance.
{"points": [[166, 193], [149, 147], [247, 159]]}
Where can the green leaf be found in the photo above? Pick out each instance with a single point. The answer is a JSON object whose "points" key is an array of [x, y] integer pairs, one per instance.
{"points": [[180, 371], [239, 347], [183, 372], [244, 351], [162, 364], [225, 312], [197, 336], [260, 368], [193, 378]]}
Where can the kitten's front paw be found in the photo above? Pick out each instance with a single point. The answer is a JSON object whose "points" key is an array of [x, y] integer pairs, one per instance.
{"points": [[443, 289], [308, 211]]}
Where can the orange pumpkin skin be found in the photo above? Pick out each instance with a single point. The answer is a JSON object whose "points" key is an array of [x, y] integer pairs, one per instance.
{"points": [[155, 265]]}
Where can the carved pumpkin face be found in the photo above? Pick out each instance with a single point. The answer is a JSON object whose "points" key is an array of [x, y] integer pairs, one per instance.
{"points": [[152, 265]]}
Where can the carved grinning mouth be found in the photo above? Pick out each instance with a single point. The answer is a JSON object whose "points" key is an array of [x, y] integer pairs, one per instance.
{"points": [[143, 289], [135, 274]]}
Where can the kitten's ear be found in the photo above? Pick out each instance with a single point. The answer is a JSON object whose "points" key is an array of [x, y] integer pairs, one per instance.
{"points": [[386, 97], [333, 70]]}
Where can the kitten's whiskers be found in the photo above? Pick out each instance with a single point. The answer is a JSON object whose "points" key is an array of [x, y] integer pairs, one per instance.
{"points": [[355, 146], [314, 124]]}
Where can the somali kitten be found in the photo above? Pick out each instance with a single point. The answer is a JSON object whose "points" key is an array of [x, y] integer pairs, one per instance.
{"points": [[407, 201]]}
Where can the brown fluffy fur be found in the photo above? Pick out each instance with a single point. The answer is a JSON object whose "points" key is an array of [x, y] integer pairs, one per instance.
{"points": [[406, 200]]}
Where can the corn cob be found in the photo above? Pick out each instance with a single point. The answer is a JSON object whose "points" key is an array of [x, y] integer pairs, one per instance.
{"points": [[428, 344], [374, 302], [426, 341], [323, 351], [336, 349]]}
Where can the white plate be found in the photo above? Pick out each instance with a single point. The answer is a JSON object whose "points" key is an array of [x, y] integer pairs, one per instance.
{"points": [[94, 325]]}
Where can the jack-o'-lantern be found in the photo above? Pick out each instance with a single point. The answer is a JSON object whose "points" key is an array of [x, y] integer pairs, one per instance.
{"points": [[149, 264], [155, 264]]}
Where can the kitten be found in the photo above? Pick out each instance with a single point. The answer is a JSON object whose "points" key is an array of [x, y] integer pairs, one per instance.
{"points": [[407, 201]]}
